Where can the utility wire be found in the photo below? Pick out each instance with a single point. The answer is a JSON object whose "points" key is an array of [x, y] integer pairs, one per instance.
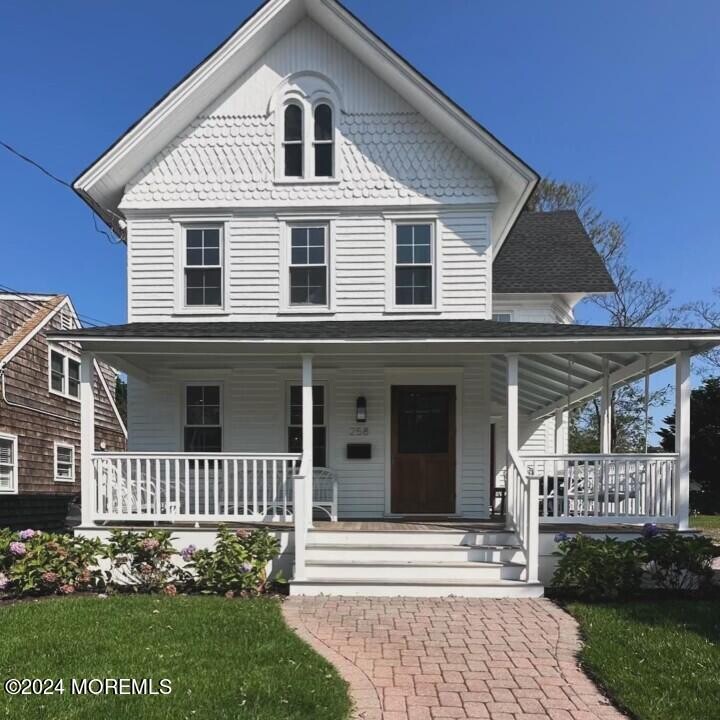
{"points": [[65, 183]]}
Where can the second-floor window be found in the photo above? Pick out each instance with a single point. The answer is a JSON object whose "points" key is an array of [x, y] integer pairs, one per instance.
{"points": [[293, 141], [308, 274], [323, 141], [64, 374], [203, 267], [414, 264]]}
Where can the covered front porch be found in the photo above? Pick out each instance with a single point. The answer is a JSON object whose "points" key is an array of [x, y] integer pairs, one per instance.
{"points": [[520, 378]]}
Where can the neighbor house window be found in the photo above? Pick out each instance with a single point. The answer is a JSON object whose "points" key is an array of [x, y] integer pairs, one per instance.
{"points": [[295, 441], [413, 264], [502, 317], [64, 463], [203, 418], [8, 464], [308, 266], [64, 374], [203, 267], [323, 141], [293, 141]]}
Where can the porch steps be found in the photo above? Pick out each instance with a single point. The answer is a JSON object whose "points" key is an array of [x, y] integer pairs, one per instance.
{"points": [[414, 563]]}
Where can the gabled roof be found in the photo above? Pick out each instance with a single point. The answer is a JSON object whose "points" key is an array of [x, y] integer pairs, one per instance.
{"points": [[102, 184], [46, 309], [550, 252]]}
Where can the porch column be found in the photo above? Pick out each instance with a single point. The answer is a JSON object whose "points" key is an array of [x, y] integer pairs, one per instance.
{"points": [[87, 439], [682, 439], [560, 442], [307, 432], [606, 411], [512, 424]]}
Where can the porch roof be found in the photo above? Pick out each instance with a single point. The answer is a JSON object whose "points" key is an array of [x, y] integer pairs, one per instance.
{"points": [[558, 363]]}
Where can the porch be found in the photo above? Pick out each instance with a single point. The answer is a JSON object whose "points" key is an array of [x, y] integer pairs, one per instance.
{"points": [[521, 378]]}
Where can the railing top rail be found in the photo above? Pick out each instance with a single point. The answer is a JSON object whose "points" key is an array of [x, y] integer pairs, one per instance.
{"points": [[194, 456], [599, 456]]}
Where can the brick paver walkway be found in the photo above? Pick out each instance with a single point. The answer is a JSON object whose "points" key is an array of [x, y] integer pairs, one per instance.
{"points": [[424, 659]]}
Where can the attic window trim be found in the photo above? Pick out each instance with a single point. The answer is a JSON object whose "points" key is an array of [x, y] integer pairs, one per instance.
{"points": [[308, 141], [67, 358]]}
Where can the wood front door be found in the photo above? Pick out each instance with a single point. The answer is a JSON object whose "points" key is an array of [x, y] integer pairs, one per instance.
{"points": [[423, 449]]}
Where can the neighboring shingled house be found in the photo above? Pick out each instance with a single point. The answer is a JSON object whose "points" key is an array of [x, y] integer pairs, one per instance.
{"points": [[40, 411]]}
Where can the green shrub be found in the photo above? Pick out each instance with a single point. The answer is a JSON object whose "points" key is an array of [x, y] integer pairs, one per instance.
{"points": [[238, 563], [678, 562], [41, 563], [143, 562], [594, 569]]}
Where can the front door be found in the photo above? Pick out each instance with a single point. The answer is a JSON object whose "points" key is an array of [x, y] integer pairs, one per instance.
{"points": [[423, 449]]}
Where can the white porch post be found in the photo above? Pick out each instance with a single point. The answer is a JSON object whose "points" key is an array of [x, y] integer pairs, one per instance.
{"points": [[87, 439], [682, 439], [560, 429], [512, 427], [606, 411], [307, 432]]}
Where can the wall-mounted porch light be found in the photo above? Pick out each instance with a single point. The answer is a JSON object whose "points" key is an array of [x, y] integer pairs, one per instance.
{"points": [[361, 409]]}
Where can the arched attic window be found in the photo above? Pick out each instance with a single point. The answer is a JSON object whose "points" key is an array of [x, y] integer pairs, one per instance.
{"points": [[323, 140], [293, 141]]}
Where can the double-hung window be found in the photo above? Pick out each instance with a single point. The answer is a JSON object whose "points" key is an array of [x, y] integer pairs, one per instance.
{"points": [[293, 141], [203, 418], [414, 264], [8, 464], [323, 141], [64, 463], [64, 375], [308, 267], [203, 267], [295, 440]]}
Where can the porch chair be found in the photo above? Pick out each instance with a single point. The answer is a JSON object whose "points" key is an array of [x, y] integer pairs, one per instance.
{"points": [[325, 491]]}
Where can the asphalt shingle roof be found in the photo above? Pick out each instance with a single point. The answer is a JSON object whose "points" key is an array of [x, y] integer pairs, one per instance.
{"points": [[549, 252]]}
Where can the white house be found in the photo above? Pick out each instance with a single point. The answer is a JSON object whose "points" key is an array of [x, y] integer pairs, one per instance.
{"points": [[332, 285]]}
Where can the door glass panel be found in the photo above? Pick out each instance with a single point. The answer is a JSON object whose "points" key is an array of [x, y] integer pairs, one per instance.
{"points": [[423, 422]]}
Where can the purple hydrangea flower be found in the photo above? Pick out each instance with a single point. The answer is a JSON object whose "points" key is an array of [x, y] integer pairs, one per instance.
{"points": [[650, 530], [562, 537], [4, 581], [188, 552], [28, 534], [17, 549], [246, 567]]}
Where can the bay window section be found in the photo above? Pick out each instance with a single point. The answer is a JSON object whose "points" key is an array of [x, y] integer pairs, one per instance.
{"points": [[413, 264], [203, 419], [203, 267], [308, 267]]}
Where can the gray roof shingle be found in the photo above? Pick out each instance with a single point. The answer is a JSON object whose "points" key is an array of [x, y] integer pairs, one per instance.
{"points": [[549, 252]]}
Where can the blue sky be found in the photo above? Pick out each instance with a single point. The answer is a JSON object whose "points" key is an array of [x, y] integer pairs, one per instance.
{"points": [[622, 95]]}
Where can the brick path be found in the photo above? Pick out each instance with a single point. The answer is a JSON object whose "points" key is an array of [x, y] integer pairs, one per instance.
{"points": [[424, 659]]}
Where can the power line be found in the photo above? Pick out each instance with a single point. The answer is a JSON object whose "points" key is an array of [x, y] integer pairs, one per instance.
{"points": [[66, 184]]}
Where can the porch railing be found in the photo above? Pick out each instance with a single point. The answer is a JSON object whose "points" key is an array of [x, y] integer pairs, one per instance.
{"points": [[190, 487], [522, 516], [605, 488]]}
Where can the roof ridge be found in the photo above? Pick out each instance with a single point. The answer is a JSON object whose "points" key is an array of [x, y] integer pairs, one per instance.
{"points": [[27, 327]]}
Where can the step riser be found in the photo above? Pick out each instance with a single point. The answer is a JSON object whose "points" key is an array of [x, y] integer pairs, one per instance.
{"points": [[412, 554], [409, 538], [420, 573], [472, 591]]}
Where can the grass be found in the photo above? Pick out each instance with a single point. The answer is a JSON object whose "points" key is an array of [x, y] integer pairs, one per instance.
{"points": [[225, 658], [709, 524], [660, 661]]}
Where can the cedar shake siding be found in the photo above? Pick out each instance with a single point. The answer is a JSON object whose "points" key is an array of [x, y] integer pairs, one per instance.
{"points": [[41, 501]]}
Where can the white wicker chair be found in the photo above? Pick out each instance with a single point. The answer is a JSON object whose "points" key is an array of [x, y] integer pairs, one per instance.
{"points": [[325, 491]]}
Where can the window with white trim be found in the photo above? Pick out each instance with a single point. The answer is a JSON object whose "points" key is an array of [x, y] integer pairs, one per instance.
{"points": [[8, 464], [64, 463], [293, 140], [64, 375], [323, 140], [502, 317], [202, 431], [295, 440], [203, 267], [414, 264], [308, 266]]}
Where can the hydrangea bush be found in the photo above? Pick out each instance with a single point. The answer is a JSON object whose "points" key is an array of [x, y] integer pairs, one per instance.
{"points": [[238, 563]]}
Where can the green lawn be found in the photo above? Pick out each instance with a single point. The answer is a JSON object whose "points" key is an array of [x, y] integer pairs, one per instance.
{"points": [[709, 524], [659, 660], [225, 658]]}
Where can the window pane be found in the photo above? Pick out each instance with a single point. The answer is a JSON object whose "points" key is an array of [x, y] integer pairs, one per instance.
{"points": [[194, 238], [65, 454], [324, 160], [194, 415], [404, 234], [203, 439], [323, 122], [299, 246], [6, 452], [57, 371], [293, 122], [317, 236], [413, 286], [421, 234], [194, 256], [211, 256], [293, 160], [308, 286], [316, 254], [405, 254], [203, 287], [73, 369]]}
